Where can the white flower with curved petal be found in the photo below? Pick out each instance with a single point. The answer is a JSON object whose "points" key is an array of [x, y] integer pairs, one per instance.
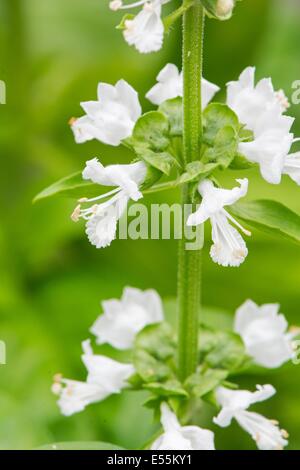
{"points": [[145, 31], [105, 377], [264, 332], [291, 167], [177, 437], [170, 85], [270, 151], [102, 219], [110, 119], [249, 102], [123, 319], [229, 248], [235, 403], [260, 109]]}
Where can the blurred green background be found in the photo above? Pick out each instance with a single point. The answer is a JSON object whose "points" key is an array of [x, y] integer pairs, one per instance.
{"points": [[52, 55]]}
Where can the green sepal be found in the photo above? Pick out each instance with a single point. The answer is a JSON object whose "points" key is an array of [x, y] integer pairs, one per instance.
{"points": [[148, 368], [224, 149], [214, 10], [216, 116], [157, 340], [221, 349], [204, 381], [127, 17], [167, 389], [173, 110], [195, 171], [152, 176], [152, 131]]}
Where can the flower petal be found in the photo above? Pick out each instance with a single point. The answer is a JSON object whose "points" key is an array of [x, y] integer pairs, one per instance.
{"points": [[146, 30]]}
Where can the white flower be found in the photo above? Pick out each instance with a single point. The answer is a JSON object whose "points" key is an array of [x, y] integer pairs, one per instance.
{"points": [[123, 319], [146, 30], [110, 119], [176, 437], [235, 403], [249, 102], [264, 332], [170, 85], [260, 109], [229, 248], [291, 167], [271, 144], [105, 377], [102, 219]]}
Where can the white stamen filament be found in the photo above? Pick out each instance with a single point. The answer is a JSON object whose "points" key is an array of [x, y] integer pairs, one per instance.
{"points": [[118, 5], [292, 163], [253, 423], [235, 222], [102, 196], [296, 140], [226, 234]]}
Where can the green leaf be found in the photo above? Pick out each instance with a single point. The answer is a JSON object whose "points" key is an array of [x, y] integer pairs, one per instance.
{"points": [[269, 216], [221, 349], [195, 170], [215, 117], [80, 445], [173, 109], [202, 383], [157, 340], [151, 131], [71, 186]]}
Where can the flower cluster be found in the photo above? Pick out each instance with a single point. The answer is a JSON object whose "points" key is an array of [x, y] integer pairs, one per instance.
{"points": [[251, 128], [146, 30], [126, 322]]}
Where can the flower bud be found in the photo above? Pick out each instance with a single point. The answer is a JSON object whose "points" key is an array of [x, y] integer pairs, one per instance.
{"points": [[219, 9], [224, 8], [115, 5]]}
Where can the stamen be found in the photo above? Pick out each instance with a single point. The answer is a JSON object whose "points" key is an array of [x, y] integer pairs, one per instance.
{"points": [[102, 196], [75, 216], [235, 222], [72, 121], [56, 387], [296, 140], [294, 330], [285, 434], [283, 100]]}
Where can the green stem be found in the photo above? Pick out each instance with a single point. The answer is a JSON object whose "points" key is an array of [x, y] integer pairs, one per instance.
{"points": [[189, 262]]}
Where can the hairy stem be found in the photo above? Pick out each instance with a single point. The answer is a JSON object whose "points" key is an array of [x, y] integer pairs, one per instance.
{"points": [[189, 262]]}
